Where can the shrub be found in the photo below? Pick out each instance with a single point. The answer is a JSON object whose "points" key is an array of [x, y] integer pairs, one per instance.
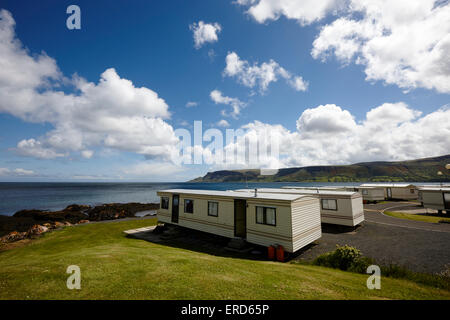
{"points": [[361, 265], [348, 258], [344, 258]]}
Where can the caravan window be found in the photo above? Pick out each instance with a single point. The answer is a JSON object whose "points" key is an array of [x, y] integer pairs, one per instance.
{"points": [[270, 216], [365, 192], [329, 204], [266, 215], [188, 206], [213, 209], [411, 190], [165, 203], [260, 215]]}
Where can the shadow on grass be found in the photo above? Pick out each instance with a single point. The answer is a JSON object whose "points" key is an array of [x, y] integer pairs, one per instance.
{"points": [[198, 241]]}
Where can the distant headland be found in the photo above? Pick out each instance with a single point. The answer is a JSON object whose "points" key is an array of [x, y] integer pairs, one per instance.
{"points": [[422, 170]]}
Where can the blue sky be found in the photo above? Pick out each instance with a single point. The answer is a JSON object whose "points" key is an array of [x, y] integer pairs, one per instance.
{"points": [[151, 44]]}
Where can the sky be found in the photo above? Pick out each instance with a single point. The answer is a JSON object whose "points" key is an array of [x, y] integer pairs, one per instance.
{"points": [[338, 82]]}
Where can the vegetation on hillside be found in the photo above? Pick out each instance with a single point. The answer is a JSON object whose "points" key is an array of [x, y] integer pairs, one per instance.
{"points": [[424, 170]]}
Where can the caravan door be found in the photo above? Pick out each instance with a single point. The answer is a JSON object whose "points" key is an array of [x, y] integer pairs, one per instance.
{"points": [[240, 218], [175, 207]]}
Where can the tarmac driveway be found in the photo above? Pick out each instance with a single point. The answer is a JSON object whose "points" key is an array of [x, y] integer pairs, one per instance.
{"points": [[373, 213], [420, 246]]}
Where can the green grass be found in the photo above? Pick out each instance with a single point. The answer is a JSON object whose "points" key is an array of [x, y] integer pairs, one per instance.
{"points": [[416, 217], [116, 267]]}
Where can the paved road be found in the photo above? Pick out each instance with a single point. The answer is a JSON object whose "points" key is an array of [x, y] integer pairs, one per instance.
{"points": [[420, 246], [373, 213], [419, 250]]}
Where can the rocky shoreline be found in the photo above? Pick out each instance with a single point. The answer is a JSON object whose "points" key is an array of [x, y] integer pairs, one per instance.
{"points": [[28, 224]]}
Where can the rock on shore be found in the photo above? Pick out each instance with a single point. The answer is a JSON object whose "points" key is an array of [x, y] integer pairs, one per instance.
{"points": [[112, 211], [33, 232], [29, 223], [72, 213]]}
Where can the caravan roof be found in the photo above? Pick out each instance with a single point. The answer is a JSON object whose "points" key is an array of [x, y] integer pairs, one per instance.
{"points": [[445, 189], [320, 188], [302, 191], [232, 194], [388, 185]]}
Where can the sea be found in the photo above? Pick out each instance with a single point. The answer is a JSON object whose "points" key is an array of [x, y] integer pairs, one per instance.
{"points": [[15, 196]]}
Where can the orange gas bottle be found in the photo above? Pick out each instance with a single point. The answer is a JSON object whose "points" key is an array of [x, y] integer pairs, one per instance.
{"points": [[271, 252], [280, 253]]}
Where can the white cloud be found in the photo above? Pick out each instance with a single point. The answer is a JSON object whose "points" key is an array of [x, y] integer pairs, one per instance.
{"points": [[403, 42], [152, 169], [325, 119], [298, 83], [23, 172], [87, 154], [389, 114], [191, 104], [112, 113], [304, 11], [223, 123], [16, 172], [35, 149], [235, 103], [205, 32], [260, 75], [256, 147], [328, 134]]}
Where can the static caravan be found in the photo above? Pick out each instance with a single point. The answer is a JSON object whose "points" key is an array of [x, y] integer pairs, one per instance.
{"points": [[336, 207], [435, 198], [398, 191], [371, 194], [292, 221]]}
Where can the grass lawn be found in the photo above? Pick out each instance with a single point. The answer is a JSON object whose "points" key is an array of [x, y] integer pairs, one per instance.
{"points": [[116, 267], [416, 217]]}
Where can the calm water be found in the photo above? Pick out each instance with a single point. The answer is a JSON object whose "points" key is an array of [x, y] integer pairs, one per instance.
{"points": [[56, 196]]}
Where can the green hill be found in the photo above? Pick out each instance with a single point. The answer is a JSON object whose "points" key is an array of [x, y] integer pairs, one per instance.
{"points": [[423, 170], [116, 267]]}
